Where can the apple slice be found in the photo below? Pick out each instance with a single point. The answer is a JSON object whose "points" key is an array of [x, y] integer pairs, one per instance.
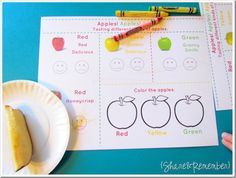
{"points": [[20, 141]]}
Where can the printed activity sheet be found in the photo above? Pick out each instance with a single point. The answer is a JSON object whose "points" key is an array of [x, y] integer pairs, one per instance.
{"points": [[154, 92], [219, 31]]}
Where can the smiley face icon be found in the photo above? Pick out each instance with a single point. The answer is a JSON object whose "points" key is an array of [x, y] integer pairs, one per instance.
{"points": [[81, 67], [80, 122], [169, 64], [137, 64], [190, 64], [117, 65], [59, 67]]}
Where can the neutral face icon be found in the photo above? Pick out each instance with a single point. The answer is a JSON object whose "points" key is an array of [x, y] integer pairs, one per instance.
{"points": [[169, 64], [60, 67], [190, 63], [81, 67], [137, 64], [117, 65]]}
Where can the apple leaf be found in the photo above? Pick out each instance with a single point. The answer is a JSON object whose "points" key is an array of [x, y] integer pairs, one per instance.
{"points": [[194, 97], [128, 99], [162, 98]]}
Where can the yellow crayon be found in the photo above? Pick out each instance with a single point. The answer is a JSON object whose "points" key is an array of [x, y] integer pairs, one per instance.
{"points": [[120, 13], [188, 10]]}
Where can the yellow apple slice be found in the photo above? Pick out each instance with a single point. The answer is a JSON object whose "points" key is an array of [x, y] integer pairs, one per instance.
{"points": [[20, 141]]}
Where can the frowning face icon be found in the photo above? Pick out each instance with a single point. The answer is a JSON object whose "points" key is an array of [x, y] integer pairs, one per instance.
{"points": [[137, 64], [190, 63], [82, 67]]}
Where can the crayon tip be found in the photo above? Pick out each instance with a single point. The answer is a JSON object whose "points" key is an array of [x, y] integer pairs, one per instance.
{"points": [[118, 13]]}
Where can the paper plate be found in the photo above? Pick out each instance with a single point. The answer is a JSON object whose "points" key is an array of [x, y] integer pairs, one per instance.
{"points": [[48, 123]]}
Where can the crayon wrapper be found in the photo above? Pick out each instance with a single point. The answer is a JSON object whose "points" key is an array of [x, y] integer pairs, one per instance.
{"points": [[132, 31], [189, 10], [178, 9], [141, 14]]}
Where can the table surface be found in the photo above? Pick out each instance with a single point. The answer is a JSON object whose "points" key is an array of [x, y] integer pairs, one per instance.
{"points": [[21, 33]]}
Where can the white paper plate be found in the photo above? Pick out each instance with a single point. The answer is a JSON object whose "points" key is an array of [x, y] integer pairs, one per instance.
{"points": [[48, 124]]}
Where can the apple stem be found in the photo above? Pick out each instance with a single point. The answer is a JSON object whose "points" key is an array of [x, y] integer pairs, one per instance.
{"points": [[154, 100], [187, 99], [121, 101]]}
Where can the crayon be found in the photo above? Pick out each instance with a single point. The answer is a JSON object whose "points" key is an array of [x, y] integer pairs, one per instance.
{"points": [[120, 13], [141, 27], [188, 10]]}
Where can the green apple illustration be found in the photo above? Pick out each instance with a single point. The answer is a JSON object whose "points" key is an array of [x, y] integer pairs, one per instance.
{"points": [[164, 44]]}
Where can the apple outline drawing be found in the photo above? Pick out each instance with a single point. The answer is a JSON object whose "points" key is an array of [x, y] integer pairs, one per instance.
{"points": [[58, 43], [164, 43], [121, 101], [187, 99], [154, 100]]}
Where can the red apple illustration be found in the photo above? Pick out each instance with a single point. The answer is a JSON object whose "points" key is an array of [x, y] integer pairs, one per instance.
{"points": [[58, 43], [156, 112], [189, 111], [122, 113]]}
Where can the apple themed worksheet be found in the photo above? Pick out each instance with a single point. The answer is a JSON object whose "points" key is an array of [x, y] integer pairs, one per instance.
{"points": [[219, 31], [155, 91]]}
